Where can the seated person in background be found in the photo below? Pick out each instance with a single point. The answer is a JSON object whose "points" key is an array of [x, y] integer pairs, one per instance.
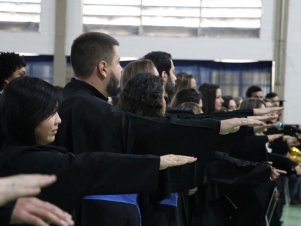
{"points": [[28, 114]]}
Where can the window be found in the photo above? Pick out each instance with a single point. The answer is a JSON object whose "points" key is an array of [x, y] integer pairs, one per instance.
{"points": [[174, 17], [20, 15]]}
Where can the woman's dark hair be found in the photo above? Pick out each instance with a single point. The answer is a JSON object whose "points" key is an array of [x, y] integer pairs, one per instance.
{"points": [[186, 95], [143, 95], [24, 104], [227, 101], [208, 92]]}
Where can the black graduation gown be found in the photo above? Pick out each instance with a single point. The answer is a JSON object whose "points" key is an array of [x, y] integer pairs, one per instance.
{"points": [[229, 187], [90, 123], [83, 174], [5, 213]]}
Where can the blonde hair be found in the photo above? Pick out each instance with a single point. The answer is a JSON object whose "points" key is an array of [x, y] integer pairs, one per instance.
{"points": [[136, 67]]}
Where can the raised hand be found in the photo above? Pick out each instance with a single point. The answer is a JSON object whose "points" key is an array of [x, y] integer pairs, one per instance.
{"points": [[265, 118], [17, 186], [264, 111], [171, 160], [232, 125]]}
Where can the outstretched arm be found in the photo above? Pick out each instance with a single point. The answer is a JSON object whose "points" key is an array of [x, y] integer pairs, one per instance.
{"points": [[14, 187], [232, 125]]}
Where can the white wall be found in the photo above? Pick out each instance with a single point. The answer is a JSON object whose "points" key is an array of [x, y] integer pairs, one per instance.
{"points": [[190, 48], [41, 42], [181, 48], [200, 48], [292, 94]]}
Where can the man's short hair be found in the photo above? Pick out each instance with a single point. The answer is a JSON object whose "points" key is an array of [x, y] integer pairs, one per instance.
{"points": [[252, 89], [9, 63], [90, 48], [162, 60], [271, 95]]}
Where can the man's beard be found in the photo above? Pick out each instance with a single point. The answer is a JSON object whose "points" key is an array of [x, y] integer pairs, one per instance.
{"points": [[113, 87], [169, 87]]}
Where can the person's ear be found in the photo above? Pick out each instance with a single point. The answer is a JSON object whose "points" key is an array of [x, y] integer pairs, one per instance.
{"points": [[164, 76], [102, 69], [6, 82]]}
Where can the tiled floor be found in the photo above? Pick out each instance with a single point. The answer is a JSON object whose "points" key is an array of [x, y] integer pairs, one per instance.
{"points": [[292, 215]]}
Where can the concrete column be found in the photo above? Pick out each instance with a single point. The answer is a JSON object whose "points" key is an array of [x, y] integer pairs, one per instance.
{"points": [[60, 67], [280, 40]]}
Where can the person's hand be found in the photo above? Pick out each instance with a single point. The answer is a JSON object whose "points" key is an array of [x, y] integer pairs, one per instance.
{"points": [[171, 160], [273, 137], [264, 111], [39, 213], [265, 118], [192, 191], [232, 125], [291, 141], [297, 170], [275, 173], [17, 186]]}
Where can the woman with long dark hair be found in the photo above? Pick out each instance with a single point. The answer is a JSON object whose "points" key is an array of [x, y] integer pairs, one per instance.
{"points": [[211, 97]]}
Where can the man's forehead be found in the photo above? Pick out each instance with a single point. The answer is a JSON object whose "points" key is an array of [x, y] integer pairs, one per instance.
{"points": [[172, 65]]}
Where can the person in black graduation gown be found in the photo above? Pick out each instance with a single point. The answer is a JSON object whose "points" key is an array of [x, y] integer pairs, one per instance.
{"points": [[251, 209], [144, 95], [30, 121], [90, 123]]}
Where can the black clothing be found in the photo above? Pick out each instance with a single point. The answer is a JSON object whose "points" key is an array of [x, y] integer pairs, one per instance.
{"points": [[229, 193], [89, 123], [84, 174], [5, 213], [218, 115]]}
